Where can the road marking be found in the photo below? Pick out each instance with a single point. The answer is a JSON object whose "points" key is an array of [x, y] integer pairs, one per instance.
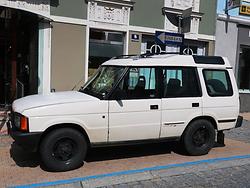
{"points": [[128, 172]]}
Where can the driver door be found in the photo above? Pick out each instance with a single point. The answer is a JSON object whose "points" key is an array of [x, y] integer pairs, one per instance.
{"points": [[135, 106]]}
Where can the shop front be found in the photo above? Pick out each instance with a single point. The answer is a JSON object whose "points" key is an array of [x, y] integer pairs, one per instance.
{"points": [[233, 42], [243, 65], [19, 51]]}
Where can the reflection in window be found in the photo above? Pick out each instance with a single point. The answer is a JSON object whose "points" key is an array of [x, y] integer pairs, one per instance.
{"points": [[103, 81], [180, 82], [218, 83], [139, 83]]}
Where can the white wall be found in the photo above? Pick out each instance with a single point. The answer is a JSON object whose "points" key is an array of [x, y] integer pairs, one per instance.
{"points": [[226, 42]]}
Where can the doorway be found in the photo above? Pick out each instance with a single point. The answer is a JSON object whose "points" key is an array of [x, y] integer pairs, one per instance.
{"points": [[18, 54], [244, 69]]}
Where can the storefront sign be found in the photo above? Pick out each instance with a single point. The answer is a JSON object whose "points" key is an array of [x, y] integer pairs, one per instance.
{"points": [[40, 7], [169, 38], [135, 38], [245, 10]]}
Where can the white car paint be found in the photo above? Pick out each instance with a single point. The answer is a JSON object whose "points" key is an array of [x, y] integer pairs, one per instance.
{"points": [[125, 120]]}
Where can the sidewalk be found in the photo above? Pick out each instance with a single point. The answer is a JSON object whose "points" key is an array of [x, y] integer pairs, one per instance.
{"points": [[3, 119], [246, 116]]}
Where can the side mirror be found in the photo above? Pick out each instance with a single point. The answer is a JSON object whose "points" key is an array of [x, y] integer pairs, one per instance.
{"points": [[119, 95]]}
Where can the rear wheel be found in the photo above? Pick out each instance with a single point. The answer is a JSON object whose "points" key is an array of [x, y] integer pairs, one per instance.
{"points": [[63, 149], [199, 137]]}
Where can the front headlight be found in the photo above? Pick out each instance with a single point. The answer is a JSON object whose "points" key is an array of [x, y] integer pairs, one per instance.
{"points": [[21, 122]]}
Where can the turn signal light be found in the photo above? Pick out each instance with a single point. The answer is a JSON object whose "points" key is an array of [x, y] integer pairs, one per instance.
{"points": [[24, 124]]}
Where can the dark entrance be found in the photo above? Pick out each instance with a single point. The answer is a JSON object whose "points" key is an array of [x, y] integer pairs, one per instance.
{"points": [[18, 54], [244, 68]]}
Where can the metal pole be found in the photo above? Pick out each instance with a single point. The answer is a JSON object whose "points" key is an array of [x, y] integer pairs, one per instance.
{"points": [[226, 7], [179, 24], [226, 12]]}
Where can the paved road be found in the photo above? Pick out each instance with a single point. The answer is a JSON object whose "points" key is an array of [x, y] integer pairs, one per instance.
{"points": [[241, 133], [224, 177], [228, 173], [234, 174]]}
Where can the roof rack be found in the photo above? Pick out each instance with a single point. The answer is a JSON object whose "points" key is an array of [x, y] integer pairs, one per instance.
{"points": [[145, 55]]}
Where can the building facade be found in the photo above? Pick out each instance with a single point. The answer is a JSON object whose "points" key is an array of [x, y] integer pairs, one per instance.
{"points": [[233, 42], [69, 40], [24, 48]]}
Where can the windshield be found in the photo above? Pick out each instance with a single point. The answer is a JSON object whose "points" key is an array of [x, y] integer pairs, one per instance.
{"points": [[103, 81]]}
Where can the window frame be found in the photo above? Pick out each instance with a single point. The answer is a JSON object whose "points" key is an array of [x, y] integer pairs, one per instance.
{"points": [[197, 77], [228, 79], [96, 74], [157, 79]]}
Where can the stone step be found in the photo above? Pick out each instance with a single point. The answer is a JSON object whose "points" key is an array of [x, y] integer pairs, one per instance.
{"points": [[3, 120]]}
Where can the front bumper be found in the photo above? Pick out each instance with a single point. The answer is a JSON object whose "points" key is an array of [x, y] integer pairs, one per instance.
{"points": [[239, 122], [28, 141]]}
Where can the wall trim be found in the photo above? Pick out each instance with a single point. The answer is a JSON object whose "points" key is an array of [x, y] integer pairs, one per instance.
{"points": [[62, 19], [124, 28]]}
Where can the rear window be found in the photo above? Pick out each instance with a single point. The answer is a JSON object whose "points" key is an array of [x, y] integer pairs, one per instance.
{"points": [[214, 60], [218, 83]]}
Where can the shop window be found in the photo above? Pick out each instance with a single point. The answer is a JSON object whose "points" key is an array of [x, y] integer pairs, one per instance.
{"points": [[103, 45], [244, 69]]}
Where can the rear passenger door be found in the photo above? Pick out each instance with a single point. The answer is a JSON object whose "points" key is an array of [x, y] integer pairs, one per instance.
{"points": [[181, 99]]}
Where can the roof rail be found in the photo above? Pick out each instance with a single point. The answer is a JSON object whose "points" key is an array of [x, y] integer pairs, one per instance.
{"points": [[126, 56], [145, 55]]}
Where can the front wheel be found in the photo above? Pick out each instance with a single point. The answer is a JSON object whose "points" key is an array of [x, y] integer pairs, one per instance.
{"points": [[199, 137], [63, 149]]}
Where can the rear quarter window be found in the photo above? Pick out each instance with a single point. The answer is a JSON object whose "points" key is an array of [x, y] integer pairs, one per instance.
{"points": [[218, 83]]}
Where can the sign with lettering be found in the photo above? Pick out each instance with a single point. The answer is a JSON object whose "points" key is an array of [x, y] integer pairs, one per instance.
{"points": [[245, 10], [40, 7], [169, 38]]}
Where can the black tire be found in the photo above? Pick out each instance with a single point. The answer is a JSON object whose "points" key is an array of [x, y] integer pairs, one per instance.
{"points": [[199, 137], [63, 149]]}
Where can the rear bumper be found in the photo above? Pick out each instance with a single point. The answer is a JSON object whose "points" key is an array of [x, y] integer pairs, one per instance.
{"points": [[28, 141], [239, 122]]}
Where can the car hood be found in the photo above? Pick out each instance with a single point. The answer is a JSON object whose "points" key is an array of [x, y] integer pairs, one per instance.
{"points": [[35, 101]]}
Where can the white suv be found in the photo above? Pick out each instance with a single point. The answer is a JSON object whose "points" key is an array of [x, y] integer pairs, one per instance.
{"points": [[131, 99]]}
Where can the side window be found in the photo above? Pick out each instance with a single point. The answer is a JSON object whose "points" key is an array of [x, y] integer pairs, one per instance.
{"points": [[180, 82], [139, 83], [218, 83]]}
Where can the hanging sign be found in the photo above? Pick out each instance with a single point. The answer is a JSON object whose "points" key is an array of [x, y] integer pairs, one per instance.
{"points": [[169, 38], [231, 4]]}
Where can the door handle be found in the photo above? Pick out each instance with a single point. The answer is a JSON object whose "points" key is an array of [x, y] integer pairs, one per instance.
{"points": [[154, 107], [195, 105]]}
